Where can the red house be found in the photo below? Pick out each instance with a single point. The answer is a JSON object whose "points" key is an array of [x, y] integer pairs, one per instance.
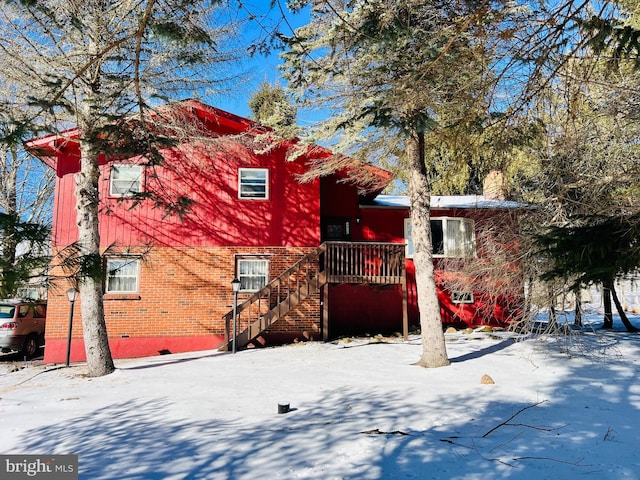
{"points": [[314, 260]]}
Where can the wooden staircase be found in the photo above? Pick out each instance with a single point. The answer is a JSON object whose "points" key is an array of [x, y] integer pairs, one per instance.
{"points": [[331, 262]]}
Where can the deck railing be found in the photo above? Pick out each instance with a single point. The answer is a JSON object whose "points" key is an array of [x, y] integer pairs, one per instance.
{"points": [[375, 263]]}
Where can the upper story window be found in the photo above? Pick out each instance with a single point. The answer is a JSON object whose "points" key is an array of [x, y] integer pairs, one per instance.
{"points": [[451, 237], [253, 183], [126, 180], [253, 273], [122, 275]]}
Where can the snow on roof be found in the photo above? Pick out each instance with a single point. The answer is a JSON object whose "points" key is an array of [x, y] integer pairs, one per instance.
{"points": [[448, 201]]}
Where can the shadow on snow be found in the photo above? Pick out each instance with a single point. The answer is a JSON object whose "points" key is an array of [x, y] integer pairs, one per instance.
{"points": [[373, 433]]}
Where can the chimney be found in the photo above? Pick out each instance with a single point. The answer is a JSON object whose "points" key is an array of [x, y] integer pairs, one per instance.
{"points": [[493, 185]]}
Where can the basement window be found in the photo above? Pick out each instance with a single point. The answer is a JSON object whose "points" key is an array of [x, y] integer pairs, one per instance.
{"points": [[122, 275], [253, 273], [462, 297], [125, 181]]}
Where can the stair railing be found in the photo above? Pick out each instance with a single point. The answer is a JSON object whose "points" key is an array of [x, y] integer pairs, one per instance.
{"points": [[279, 294]]}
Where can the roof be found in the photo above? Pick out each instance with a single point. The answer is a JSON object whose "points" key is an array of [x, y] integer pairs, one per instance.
{"points": [[449, 201], [48, 147]]}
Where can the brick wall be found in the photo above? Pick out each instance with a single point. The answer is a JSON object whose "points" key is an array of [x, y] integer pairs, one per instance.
{"points": [[184, 292]]}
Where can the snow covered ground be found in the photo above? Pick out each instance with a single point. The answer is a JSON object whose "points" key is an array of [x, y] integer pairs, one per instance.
{"points": [[561, 408]]}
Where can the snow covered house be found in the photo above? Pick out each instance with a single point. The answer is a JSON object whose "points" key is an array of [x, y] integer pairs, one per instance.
{"points": [[314, 260]]}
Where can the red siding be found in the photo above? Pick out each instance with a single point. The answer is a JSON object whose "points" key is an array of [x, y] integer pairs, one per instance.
{"points": [[217, 217], [357, 309], [338, 199]]}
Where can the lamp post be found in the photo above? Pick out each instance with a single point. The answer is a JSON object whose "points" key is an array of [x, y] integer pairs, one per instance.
{"points": [[72, 294], [235, 286]]}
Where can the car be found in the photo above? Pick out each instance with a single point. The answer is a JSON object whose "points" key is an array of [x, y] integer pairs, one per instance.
{"points": [[22, 325]]}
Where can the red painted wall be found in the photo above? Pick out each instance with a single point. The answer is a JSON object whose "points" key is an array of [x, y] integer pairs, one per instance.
{"points": [[357, 309], [217, 217], [338, 199]]}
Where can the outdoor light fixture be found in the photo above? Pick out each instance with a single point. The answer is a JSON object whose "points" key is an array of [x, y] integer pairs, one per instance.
{"points": [[72, 294], [235, 286]]}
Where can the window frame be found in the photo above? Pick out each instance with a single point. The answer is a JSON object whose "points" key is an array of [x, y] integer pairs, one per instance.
{"points": [[462, 297], [130, 192], [470, 224], [252, 258], [127, 260], [242, 196], [408, 238], [336, 229]]}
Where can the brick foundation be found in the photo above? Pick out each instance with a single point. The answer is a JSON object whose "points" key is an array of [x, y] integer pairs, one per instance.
{"points": [[183, 295]]}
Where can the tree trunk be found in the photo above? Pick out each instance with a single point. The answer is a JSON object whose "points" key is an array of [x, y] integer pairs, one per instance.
{"points": [[623, 316], [8, 202], [552, 306], [434, 353], [606, 303], [577, 320], [94, 329]]}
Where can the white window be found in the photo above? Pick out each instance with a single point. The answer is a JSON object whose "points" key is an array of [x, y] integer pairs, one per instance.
{"points": [[122, 275], [451, 237], [253, 183], [253, 273], [126, 180]]}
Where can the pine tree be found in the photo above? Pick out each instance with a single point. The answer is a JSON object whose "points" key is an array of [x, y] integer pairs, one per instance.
{"points": [[90, 63], [587, 168], [595, 251], [393, 74], [271, 107]]}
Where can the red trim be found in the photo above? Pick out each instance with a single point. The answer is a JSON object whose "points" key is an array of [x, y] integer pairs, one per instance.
{"points": [[56, 350]]}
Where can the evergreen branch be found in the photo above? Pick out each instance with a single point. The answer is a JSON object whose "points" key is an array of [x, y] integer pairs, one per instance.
{"points": [[138, 51]]}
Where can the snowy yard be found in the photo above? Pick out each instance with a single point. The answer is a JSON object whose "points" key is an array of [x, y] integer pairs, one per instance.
{"points": [[359, 410]]}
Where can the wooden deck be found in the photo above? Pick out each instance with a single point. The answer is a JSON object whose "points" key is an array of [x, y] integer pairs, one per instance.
{"points": [[331, 263], [368, 263]]}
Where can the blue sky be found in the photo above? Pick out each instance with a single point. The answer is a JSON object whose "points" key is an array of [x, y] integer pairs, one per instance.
{"points": [[258, 68]]}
